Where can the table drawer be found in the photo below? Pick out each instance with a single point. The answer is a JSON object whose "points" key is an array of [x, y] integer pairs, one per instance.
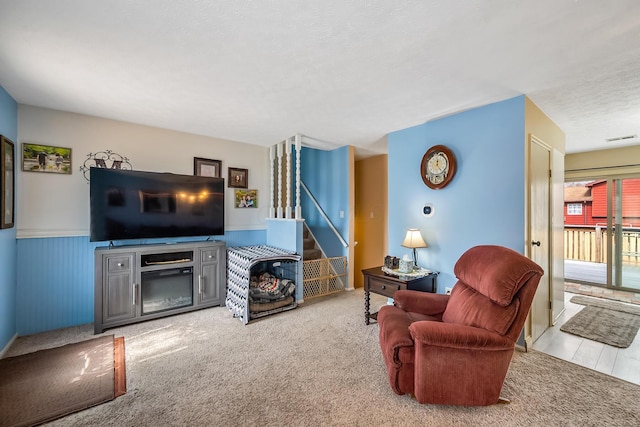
{"points": [[121, 263], [209, 256], [384, 287]]}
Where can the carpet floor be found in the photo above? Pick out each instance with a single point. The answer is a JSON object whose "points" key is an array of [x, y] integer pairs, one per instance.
{"points": [[318, 365]]}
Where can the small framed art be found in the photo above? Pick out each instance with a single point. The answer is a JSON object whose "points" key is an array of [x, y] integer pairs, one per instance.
{"points": [[246, 199], [207, 167], [238, 178], [7, 177], [46, 158]]}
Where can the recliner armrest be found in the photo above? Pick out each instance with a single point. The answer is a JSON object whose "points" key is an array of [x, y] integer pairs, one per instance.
{"points": [[421, 302], [457, 336]]}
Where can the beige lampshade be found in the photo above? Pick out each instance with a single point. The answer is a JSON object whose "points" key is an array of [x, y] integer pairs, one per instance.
{"points": [[414, 239]]}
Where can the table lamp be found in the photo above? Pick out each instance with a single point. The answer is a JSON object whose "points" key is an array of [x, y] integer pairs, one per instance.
{"points": [[414, 240]]}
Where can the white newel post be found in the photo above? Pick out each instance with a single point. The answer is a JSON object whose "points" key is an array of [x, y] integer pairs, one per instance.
{"points": [[288, 189], [298, 209], [272, 157], [279, 209]]}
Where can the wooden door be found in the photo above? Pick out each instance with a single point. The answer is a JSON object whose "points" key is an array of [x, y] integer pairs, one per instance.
{"points": [[540, 250]]}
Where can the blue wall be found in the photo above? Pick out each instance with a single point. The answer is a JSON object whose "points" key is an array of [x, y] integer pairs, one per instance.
{"points": [[483, 204], [9, 129], [326, 175], [56, 279]]}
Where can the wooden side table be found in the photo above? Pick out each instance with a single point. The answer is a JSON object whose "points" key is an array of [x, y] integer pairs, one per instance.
{"points": [[378, 282]]}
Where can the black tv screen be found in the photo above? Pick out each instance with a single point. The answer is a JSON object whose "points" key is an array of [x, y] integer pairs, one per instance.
{"points": [[129, 204]]}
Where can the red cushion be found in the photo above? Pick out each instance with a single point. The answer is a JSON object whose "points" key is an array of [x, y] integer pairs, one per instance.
{"points": [[470, 308]]}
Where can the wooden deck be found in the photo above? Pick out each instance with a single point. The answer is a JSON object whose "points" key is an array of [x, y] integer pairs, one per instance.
{"points": [[594, 272]]}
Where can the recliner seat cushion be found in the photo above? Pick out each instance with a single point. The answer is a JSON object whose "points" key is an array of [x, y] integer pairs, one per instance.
{"points": [[470, 308]]}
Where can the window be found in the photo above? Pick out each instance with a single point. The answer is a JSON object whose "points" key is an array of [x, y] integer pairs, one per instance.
{"points": [[574, 209]]}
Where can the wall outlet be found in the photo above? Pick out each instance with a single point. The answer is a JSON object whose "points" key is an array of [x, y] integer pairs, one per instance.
{"points": [[447, 291]]}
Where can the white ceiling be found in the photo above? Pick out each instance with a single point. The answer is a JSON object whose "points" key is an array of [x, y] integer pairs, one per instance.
{"points": [[343, 71]]}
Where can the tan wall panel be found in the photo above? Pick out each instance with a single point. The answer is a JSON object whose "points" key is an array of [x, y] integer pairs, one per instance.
{"points": [[600, 163], [370, 214], [542, 127]]}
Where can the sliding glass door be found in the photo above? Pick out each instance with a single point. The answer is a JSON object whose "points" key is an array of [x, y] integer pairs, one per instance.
{"points": [[625, 234], [602, 232]]}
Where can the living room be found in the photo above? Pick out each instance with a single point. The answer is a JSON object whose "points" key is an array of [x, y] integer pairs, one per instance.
{"points": [[46, 272]]}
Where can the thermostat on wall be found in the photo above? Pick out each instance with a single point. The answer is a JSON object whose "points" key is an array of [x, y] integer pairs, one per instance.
{"points": [[427, 210]]}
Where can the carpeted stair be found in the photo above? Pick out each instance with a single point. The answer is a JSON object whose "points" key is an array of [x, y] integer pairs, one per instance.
{"points": [[310, 251]]}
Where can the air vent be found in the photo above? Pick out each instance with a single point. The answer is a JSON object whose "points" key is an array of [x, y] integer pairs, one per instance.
{"points": [[621, 138]]}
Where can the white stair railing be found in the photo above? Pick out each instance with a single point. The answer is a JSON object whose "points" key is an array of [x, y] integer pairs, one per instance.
{"points": [[277, 192]]}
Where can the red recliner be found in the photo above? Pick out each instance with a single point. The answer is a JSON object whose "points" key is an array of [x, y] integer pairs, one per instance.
{"points": [[456, 349]]}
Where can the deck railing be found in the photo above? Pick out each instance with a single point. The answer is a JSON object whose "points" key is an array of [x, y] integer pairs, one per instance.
{"points": [[589, 243]]}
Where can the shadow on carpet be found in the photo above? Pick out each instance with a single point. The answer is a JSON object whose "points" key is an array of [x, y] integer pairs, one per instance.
{"points": [[604, 321], [48, 384]]}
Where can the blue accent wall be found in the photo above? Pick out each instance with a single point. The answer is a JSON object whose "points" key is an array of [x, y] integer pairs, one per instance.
{"points": [[483, 204], [56, 277], [326, 175], [8, 128], [287, 234]]}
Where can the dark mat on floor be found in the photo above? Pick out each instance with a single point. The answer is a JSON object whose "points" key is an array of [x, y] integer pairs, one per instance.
{"points": [[604, 321], [47, 384]]}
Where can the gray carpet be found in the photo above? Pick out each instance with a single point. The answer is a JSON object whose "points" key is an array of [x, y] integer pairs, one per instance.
{"points": [[318, 365], [604, 321]]}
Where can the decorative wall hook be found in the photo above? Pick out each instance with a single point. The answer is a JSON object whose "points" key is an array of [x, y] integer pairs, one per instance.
{"points": [[106, 159]]}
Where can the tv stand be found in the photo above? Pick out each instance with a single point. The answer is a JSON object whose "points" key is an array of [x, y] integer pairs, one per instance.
{"points": [[138, 283]]}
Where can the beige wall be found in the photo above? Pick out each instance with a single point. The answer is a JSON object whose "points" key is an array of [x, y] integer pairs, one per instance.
{"points": [[538, 124], [603, 163], [542, 127], [52, 205], [370, 214]]}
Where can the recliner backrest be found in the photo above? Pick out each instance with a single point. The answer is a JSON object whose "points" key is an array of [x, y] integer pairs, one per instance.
{"points": [[488, 293]]}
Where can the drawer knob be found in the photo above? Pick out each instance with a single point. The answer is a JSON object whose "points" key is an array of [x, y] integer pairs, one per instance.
{"points": [[384, 287], [120, 264]]}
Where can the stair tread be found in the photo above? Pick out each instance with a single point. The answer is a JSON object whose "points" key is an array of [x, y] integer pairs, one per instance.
{"points": [[309, 254]]}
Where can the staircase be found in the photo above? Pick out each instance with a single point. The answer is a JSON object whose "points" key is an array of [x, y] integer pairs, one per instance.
{"points": [[322, 275], [310, 247]]}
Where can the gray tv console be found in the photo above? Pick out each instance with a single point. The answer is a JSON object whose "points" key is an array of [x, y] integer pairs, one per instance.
{"points": [[139, 283]]}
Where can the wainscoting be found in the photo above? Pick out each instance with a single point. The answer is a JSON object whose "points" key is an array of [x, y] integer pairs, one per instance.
{"points": [[55, 278]]}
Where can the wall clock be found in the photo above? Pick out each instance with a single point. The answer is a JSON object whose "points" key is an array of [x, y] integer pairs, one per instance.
{"points": [[438, 167]]}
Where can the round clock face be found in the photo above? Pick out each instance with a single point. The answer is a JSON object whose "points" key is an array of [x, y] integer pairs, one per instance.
{"points": [[438, 166]]}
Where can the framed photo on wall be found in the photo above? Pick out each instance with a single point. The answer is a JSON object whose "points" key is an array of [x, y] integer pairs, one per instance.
{"points": [[246, 199], [238, 178], [7, 177], [207, 167], [46, 158]]}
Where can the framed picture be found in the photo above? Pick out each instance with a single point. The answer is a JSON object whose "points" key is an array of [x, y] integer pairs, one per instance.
{"points": [[246, 199], [46, 158], [206, 167], [7, 176], [238, 178]]}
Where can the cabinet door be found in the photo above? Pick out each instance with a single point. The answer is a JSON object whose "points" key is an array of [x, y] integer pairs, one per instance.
{"points": [[208, 286], [208, 283], [118, 299]]}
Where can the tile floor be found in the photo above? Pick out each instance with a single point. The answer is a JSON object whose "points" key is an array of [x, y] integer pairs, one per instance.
{"points": [[623, 363]]}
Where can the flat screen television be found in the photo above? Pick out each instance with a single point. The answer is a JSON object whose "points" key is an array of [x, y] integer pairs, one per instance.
{"points": [[127, 204]]}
